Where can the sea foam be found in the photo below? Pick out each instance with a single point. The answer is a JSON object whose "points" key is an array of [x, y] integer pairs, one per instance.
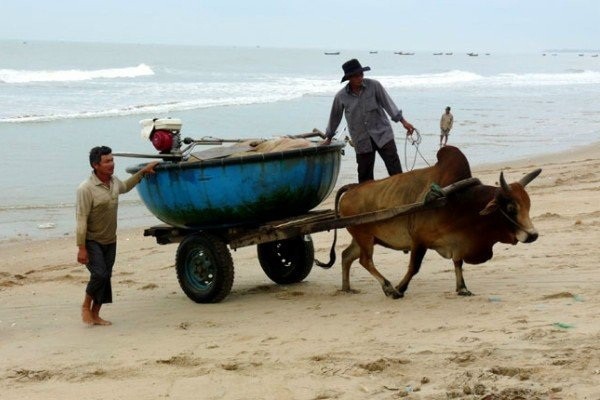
{"points": [[135, 97], [71, 75], [466, 78]]}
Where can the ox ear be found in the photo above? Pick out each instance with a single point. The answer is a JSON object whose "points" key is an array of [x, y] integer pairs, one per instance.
{"points": [[529, 177], [490, 208]]}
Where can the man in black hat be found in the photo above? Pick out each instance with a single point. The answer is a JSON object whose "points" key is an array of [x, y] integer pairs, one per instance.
{"points": [[364, 102]]}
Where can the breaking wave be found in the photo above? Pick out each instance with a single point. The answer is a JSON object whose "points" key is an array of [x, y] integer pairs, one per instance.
{"points": [[466, 78], [108, 99], [72, 75]]}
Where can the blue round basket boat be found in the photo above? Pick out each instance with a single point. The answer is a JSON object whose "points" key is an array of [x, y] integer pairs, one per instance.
{"points": [[240, 190]]}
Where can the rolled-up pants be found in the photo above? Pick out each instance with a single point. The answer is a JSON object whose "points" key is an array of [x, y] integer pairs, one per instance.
{"points": [[366, 161], [101, 261]]}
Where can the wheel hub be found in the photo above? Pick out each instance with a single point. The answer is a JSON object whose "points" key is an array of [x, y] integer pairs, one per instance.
{"points": [[202, 268]]}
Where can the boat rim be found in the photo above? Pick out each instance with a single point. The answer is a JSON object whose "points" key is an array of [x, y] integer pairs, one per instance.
{"points": [[246, 159]]}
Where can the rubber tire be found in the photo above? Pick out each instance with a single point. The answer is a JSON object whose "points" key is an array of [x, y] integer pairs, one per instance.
{"points": [[287, 261], [213, 254]]}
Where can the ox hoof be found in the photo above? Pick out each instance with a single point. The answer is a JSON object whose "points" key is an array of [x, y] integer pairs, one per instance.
{"points": [[390, 291], [464, 292], [401, 290], [396, 295]]}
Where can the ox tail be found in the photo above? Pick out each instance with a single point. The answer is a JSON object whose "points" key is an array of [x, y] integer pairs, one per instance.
{"points": [[332, 256]]}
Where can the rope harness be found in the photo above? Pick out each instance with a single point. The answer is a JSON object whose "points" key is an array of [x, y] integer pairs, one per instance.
{"points": [[414, 139], [512, 221]]}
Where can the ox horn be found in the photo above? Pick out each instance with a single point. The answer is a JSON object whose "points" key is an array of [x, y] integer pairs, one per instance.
{"points": [[503, 183], [529, 177]]}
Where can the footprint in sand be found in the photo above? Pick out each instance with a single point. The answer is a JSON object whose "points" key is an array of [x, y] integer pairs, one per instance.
{"points": [[182, 360], [149, 286], [561, 295], [184, 325], [289, 295], [28, 375]]}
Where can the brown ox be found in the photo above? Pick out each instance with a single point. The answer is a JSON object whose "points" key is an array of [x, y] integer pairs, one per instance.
{"points": [[465, 229]]}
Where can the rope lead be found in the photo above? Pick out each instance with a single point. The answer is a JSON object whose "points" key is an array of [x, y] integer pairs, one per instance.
{"points": [[415, 140]]}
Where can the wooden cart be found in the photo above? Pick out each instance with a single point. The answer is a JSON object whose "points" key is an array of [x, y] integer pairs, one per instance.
{"points": [[204, 265]]}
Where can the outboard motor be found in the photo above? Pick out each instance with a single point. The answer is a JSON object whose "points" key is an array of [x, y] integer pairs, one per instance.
{"points": [[164, 133]]}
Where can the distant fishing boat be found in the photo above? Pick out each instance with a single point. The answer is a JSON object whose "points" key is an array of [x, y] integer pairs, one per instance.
{"points": [[372, 52], [333, 53], [437, 54], [472, 54], [594, 55], [403, 53], [448, 54]]}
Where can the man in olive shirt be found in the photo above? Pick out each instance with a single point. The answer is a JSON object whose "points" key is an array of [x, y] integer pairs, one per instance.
{"points": [[365, 102], [97, 203], [445, 125]]}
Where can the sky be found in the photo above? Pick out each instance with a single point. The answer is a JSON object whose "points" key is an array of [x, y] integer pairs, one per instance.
{"points": [[469, 25]]}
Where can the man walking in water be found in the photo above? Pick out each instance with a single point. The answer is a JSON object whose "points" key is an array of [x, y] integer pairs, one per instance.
{"points": [[365, 102], [97, 202], [445, 125]]}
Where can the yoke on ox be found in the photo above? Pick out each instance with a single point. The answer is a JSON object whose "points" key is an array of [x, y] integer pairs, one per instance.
{"points": [[464, 230]]}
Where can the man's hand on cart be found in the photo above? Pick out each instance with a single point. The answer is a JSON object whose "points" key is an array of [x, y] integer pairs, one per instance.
{"points": [[325, 142], [149, 168]]}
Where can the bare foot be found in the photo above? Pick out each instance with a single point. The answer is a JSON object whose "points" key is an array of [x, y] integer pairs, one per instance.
{"points": [[100, 321], [86, 316]]}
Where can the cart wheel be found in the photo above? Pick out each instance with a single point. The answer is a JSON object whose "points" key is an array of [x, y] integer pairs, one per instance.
{"points": [[287, 261], [204, 268]]}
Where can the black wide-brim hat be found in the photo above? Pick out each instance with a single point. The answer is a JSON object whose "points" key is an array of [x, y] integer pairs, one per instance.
{"points": [[352, 67]]}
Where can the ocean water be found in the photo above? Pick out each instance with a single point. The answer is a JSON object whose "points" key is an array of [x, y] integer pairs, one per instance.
{"points": [[60, 99]]}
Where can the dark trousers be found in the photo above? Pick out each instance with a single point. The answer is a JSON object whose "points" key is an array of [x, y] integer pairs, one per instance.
{"points": [[389, 155], [101, 261]]}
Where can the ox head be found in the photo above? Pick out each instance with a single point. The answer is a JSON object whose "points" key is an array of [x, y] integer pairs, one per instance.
{"points": [[513, 202]]}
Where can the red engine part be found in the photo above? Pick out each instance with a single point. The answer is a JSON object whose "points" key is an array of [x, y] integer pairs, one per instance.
{"points": [[162, 140]]}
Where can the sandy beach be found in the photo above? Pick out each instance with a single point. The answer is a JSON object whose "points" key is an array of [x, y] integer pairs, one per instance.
{"points": [[531, 330]]}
